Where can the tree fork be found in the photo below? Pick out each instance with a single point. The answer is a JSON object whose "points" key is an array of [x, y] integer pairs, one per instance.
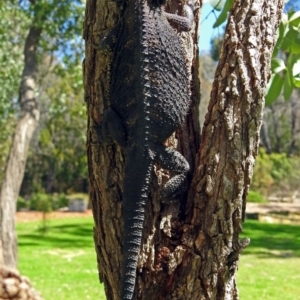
{"points": [[190, 249]]}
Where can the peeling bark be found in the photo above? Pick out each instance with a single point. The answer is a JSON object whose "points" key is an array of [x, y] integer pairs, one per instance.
{"points": [[190, 247]]}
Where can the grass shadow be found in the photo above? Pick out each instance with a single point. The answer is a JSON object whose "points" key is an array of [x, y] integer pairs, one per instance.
{"points": [[272, 240], [70, 235]]}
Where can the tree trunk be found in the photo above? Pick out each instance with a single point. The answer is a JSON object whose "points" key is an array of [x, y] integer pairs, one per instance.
{"points": [[264, 137], [190, 249], [27, 122], [276, 128], [294, 122]]}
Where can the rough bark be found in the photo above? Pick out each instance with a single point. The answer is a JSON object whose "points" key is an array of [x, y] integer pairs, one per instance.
{"points": [[191, 247], [15, 167]]}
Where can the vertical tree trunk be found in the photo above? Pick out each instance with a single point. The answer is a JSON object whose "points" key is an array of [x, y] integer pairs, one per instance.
{"points": [[190, 248], [264, 136], [294, 112], [230, 140], [27, 122], [276, 129]]}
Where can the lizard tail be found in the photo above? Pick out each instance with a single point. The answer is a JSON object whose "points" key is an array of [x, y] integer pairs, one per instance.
{"points": [[138, 168]]}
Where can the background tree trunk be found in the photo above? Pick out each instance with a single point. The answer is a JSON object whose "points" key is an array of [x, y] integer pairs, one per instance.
{"points": [[191, 247], [15, 168]]}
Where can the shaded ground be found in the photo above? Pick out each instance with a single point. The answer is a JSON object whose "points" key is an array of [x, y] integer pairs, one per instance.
{"points": [[35, 215]]}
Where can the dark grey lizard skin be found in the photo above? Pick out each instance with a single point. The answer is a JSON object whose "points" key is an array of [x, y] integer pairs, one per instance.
{"points": [[149, 100]]}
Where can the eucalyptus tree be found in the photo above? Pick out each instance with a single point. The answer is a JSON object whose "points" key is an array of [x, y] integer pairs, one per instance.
{"points": [[190, 249], [53, 29]]}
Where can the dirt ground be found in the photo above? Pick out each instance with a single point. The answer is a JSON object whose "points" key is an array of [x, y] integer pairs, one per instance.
{"points": [[35, 215], [272, 207], [251, 208]]}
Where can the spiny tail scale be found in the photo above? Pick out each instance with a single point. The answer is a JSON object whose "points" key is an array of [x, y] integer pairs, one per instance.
{"points": [[138, 166]]}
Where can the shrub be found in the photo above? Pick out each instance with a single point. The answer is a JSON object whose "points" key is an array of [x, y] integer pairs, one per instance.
{"points": [[22, 203], [63, 200], [256, 197], [37, 201], [262, 180], [275, 172], [58, 201], [42, 201]]}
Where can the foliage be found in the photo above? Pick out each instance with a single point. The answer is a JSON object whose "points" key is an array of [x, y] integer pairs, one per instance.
{"points": [[58, 261], [42, 202], [286, 59], [255, 197], [275, 172], [39, 202], [286, 56], [60, 52], [61, 23], [216, 44], [216, 4], [223, 15], [22, 204], [47, 202], [57, 159], [13, 25]]}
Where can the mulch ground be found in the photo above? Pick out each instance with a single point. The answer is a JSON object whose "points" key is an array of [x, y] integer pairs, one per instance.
{"points": [[35, 215]]}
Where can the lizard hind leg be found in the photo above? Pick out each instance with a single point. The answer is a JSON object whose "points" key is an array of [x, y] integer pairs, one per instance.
{"points": [[112, 128], [107, 43], [172, 160]]}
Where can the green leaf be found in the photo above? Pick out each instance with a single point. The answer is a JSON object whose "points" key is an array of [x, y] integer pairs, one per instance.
{"points": [[274, 88], [294, 19], [280, 32], [217, 4], [277, 65], [296, 73], [288, 86], [291, 41], [223, 15]]}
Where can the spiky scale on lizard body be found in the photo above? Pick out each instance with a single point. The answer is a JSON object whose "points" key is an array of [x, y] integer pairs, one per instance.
{"points": [[149, 100]]}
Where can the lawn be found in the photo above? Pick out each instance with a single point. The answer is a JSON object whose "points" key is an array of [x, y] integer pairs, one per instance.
{"points": [[62, 263], [270, 265]]}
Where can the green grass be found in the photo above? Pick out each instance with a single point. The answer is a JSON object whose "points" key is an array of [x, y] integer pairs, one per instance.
{"points": [[62, 263], [270, 266]]}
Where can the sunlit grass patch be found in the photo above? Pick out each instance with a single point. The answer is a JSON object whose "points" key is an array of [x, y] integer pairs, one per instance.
{"points": [[61, 263]]}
